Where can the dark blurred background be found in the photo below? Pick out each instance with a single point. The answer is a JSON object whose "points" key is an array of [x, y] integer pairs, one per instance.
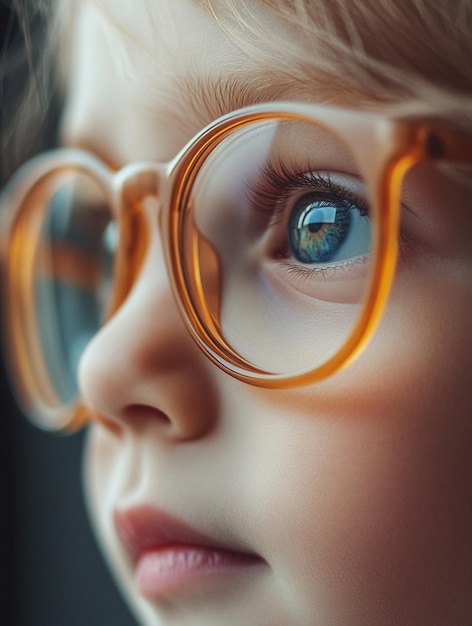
{"points": [[51, 572]]}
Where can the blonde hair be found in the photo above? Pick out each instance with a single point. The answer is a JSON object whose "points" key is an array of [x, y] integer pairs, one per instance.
{"points": [[409, 57]]}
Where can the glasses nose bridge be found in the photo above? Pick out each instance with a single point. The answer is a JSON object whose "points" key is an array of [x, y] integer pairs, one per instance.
{"points": [[136, 182], [130, 188]]}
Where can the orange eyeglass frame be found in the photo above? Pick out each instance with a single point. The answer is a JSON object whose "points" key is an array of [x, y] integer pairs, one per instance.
{"points": [[384, 148]]}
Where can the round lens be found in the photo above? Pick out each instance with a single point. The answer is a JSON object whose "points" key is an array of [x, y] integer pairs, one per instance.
{"points": [[72, 271], [278, 245]]}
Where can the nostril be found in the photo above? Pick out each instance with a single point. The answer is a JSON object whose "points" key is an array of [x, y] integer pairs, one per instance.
{"points": [[139, 415]]}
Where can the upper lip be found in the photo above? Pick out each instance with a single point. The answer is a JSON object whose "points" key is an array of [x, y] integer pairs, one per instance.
{"points": [[146, 527]]}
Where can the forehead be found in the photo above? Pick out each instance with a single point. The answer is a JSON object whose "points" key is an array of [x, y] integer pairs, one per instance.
{"points": [[182, 60], [170, 65], [181, 45], [167, 24], [365, 46]]}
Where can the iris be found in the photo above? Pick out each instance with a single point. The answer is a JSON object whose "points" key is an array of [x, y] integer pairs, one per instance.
{"points": [[318, 227]]}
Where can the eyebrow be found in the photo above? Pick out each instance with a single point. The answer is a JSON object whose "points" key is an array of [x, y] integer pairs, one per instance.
{"points": [[210, 97]]}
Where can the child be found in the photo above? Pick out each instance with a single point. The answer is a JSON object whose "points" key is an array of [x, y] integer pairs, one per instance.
{"points": [[288, 471]]}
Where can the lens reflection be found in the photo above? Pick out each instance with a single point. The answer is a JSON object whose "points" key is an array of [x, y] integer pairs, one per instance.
{"points": [[73, 269]]}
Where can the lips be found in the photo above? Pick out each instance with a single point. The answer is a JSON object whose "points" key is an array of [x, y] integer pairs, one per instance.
{"points": [[171, 557]]}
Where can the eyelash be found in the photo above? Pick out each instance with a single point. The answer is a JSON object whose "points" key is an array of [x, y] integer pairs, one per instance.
{"points": [[277, 184]]}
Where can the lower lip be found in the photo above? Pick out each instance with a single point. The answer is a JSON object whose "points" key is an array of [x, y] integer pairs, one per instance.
{"points": [[173, 569]]}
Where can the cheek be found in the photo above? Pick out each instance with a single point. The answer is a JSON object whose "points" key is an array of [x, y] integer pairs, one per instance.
{"points": [[364, 519], [419, 361]]}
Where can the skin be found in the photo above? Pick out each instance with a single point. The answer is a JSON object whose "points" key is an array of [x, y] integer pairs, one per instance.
{"points": [[356, 491]]}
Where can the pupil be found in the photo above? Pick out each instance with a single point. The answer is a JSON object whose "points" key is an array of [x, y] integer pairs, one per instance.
{"points": [[314, 227]]}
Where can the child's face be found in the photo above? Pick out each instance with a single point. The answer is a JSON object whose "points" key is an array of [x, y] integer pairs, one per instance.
{"points": [[353, 496]]}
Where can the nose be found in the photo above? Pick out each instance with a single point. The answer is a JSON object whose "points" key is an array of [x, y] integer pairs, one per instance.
{"points": [[143, 368]]}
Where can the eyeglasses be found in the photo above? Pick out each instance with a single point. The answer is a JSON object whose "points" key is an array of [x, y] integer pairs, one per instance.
{"points": [[279, 227]]}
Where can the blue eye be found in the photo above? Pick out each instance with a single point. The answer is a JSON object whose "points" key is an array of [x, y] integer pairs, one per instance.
{"points": [[323, 229]]}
